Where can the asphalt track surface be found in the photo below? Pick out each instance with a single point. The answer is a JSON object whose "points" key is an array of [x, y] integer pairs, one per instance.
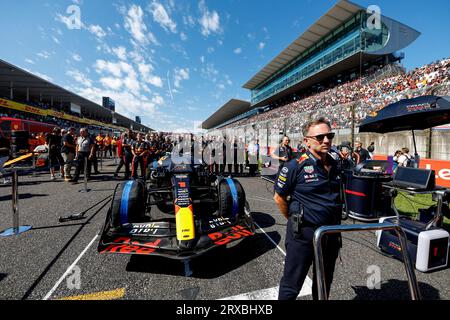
{"points": [[38, 264]]}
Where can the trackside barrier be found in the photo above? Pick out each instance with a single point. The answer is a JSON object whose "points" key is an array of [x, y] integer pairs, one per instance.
{"points": [[16, 229], [318, 254]]}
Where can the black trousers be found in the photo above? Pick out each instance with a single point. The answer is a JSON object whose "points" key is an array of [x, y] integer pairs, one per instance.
{"points": [[80, 165], [94, 162], [125, 161], [300, 257], [142, 162]]}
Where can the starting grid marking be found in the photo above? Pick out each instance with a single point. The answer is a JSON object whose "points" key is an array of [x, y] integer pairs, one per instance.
{"points": [[105, 295], [49, 294], [270, 294]]}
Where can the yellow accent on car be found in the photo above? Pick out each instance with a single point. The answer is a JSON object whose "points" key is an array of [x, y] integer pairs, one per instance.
{"points": [[185, 224]]}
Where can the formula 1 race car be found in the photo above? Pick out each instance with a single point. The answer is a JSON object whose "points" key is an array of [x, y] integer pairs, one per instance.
{"points": [[182, 211]]}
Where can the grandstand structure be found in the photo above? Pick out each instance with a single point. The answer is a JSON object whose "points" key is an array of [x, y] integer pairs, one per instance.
{"points": [[25, 93], [346, 43]]}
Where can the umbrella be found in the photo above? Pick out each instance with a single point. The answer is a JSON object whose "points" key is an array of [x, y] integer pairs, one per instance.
{"points": [[409, 114]]}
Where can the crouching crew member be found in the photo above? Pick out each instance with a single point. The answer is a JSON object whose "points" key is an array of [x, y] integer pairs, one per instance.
{"points": [[140, 153], [312, 182]]}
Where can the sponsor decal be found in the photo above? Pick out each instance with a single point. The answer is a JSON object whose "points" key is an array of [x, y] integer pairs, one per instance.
{"points": [[219, 222], [237, 232], [309, 169], [395, 246], [281, 185], [419, 107], [302, 158], [285, 170], [125, 245], [149, 229], [282, 178], [311, 180]]}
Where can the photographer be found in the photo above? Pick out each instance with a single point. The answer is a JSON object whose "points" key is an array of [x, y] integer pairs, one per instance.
{"points": [[312, 183]]}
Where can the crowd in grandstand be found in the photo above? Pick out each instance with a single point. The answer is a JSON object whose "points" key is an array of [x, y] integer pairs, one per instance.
{"points": [[371, 96]]}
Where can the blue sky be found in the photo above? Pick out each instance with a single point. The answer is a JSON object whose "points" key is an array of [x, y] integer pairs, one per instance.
{"points": [[174, 62]]}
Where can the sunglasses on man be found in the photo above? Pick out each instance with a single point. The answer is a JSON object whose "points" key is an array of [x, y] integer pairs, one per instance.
{"points": [[321, 137]]}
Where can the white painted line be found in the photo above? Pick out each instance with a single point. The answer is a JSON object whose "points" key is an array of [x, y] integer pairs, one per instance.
{"points": [[268, 237], [49, 294], [266, 294], [307, 285]]}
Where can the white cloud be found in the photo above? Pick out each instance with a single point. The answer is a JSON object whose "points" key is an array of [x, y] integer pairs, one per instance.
{"points": [[209, 21], [237, 50], [120, 52], [209, 72], [97, 31], [65, 20], [189, 21], [180, 75], [183, 36], [134, 24], [79, 77], [202, 59], [161, 16], [44, 54], [105, 66], [146, 74], [210, 50], [261, 45], [158, 100], [55, 39], [132, 84], [127, 103], [76, 57], [29, 61], [43, 76], [111, 83]]}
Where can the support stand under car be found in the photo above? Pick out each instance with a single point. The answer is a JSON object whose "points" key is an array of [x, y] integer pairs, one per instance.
{"points": [[428, 243]]}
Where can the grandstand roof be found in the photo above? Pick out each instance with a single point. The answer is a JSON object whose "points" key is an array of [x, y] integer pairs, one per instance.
{"points": [[228, 111], [338, 14], [38, 87]]}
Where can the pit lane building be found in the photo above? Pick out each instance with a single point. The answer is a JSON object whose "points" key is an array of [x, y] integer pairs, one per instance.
{"points": [[23, 91], [345, 42]]}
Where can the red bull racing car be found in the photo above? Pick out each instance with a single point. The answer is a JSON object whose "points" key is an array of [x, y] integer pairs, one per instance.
{"points": [[182, 211]]}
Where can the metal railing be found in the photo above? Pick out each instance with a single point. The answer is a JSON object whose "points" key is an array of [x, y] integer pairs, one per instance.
{"points": [[16, 228], [318, 253]]}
